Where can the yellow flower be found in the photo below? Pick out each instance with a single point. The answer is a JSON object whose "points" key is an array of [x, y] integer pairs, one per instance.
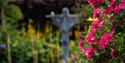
{"points": [[76, 33], [91, 19], [47, 29], [31, 31], [38, 35]]}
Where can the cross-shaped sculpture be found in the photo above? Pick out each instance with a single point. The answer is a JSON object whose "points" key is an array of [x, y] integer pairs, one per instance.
{"points": [[65, 22]]}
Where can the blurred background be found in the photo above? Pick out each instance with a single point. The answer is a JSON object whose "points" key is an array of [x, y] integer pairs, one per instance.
{"points": [[28, 36]]}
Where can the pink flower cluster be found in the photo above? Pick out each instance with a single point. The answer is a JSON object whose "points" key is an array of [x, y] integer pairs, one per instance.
{"points": [[105, 39], [93, 38], [89, 52], [97, 24], [108, 10], [115, 8], [123, 4], [96, 13], [112, 3], [95, 3], [81, 45], [111, 8], [118, 9]]}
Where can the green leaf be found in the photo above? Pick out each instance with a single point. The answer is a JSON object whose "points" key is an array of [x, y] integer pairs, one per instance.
{"points": [[14, 12]]}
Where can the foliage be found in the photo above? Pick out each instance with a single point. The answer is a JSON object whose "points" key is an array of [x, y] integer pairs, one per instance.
{"points": [[20, 40]]}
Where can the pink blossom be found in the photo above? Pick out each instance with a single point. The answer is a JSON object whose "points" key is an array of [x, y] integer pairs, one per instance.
{"points": [[95, 23], [98, 20], [103, 44], [118, 9], [101, 24], [105, 39], [123, 0], [112, 3], [91, 37], [123, 4], [113, 31], [113, 52], [89, 52], [96, 13], [81, 42], [111, 8], [94, 30], [108, 10], [81, 45], [108, 37], [95, 3]]}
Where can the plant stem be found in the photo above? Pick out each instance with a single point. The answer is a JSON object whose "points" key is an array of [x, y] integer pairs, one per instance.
{"points": [[9, 49], [51, 48], [3, 17], [57, 43], [35, 52]]}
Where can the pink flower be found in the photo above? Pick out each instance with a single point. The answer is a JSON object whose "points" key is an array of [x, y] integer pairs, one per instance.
{"points": [[113, 52], [81, 42], [101, 24], [89, 52], [108, 10], [103, 44], [118, 9], [112, 3], [94, 27], [105, 39], [95, 3], [91, 37], [81, 45], [113, 31], [95, 23], [96, 13], [123, 0], [94, 30], [123, 4], [107, 36]]}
